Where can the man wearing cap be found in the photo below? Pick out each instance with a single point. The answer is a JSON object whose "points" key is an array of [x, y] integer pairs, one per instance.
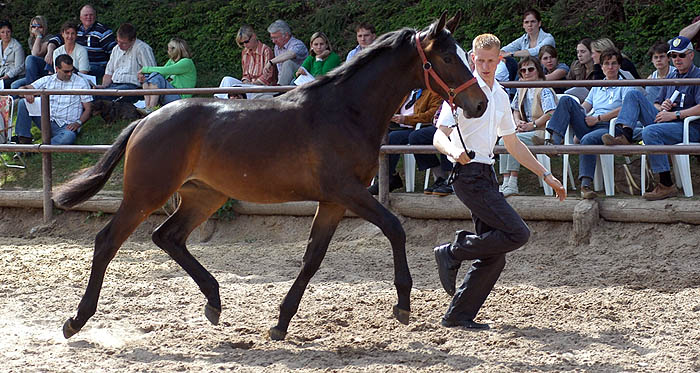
{"points": [[663, 121]]}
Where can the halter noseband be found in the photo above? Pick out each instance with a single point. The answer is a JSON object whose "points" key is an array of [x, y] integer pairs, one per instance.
{"points": [[429, 71]]}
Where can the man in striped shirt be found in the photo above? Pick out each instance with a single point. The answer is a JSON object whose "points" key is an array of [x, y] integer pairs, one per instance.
{"points": [[68, 112]]}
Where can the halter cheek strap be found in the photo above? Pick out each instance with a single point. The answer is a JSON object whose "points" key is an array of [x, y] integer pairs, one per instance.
{"points": [[428, 71]]}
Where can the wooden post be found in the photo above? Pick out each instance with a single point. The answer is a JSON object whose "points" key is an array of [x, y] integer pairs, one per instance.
{"points": [[46, 166]]}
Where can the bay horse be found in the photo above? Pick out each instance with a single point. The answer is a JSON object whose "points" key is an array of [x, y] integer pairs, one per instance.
{"points": [[319, 142]]}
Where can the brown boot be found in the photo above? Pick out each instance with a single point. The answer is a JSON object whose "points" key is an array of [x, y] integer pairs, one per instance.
{"points": [[608, 139], [24, 140], [661, 192]]}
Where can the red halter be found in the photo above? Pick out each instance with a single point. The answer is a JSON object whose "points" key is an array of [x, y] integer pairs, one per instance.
{"points": [[428, 70]]}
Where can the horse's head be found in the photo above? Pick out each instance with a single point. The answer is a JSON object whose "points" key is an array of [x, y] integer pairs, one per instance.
{"points": [[445, 67]]}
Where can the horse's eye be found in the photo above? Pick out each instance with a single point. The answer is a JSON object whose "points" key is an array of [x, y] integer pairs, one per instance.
{"points": [[447, 59]]}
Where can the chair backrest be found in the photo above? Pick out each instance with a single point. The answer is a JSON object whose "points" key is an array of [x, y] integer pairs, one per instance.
{"points": [[6, 113]]}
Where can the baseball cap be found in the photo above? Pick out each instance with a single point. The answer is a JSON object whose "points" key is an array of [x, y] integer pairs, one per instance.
{"points": [[680, 44]]}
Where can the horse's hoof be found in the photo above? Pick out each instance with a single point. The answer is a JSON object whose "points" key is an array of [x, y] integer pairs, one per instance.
{"points": [[276, 334], [68, 330], [401, 315], [212, 314]]}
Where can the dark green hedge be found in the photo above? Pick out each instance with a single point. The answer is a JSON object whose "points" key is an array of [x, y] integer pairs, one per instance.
{"points": [[210, 25]]}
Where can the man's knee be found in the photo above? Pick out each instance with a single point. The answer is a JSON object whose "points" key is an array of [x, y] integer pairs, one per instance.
{"points": [[651, 135], [634, 94], [520, 236]]}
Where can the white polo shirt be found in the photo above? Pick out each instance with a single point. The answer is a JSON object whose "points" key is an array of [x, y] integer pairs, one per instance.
{"points": [[480, 134]]}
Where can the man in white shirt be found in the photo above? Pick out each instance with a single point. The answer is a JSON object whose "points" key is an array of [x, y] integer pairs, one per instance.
{"points": [[499, 228], [123, 70], [366, 34], [68, 112]]}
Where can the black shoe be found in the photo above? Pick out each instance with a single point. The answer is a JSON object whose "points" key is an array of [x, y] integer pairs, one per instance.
{"points": [[466, 324], [443, 190], [439, 181], [447, 267], [395, 182]]}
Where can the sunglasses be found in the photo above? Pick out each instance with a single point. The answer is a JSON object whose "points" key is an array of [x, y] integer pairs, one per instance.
{"points": [[527, 69], [36, 26], [676, 55], [244, 42]]}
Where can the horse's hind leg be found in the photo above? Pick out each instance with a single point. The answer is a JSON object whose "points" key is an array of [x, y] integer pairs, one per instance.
{"points": [[107, 243], [368, 208], [198, 202], [325, 222]]}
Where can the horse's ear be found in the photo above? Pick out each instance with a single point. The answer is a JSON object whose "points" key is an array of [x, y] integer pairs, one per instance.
{"points": [[453, 22], [436, 28]]}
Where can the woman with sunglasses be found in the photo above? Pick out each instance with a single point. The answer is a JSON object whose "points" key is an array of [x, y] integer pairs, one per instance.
{"points": [[257, 70], [321, 59], [11, 55], [532, 108], [38, 43], [178, 72]]}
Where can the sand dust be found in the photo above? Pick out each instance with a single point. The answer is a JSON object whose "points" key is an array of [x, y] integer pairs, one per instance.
{"points": [[628, 301]]}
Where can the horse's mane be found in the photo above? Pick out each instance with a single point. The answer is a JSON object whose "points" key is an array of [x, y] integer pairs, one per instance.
{"points": [[390, 40]]}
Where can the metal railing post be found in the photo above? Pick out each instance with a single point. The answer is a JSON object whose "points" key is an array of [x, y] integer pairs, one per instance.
{"points": [[46, 168]]}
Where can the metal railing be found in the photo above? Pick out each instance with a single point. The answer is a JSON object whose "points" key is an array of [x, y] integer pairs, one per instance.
{"points": [[46, 149]]}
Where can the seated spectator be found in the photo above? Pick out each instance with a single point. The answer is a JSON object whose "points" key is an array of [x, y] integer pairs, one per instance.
{"points": [[659, 58], [627, 69], [365, 34], [255, 58], [534, 38], [79, 54], [662, 122], [290, 52], [692, 32], [11, 56], [605, 103], [418, 107], [125, 63], [68, 112], [582, 68], [38, 44], [532, 108], [321, 59], [178, 72], [553, 69], [440, 167]]}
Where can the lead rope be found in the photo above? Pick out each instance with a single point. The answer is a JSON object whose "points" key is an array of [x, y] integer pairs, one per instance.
{"points": [[470, 153]]}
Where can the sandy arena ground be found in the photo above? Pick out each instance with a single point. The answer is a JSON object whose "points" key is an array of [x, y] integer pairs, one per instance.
{"points": [[629, 301]]}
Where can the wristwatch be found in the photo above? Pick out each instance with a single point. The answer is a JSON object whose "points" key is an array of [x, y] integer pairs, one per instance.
{"points": [[547, 173], [80, 122], [678, 114]]}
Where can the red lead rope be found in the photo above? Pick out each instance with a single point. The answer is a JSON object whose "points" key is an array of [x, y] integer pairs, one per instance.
{"points": [[428, 70]]}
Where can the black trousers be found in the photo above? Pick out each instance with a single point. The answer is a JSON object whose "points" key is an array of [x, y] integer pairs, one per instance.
{"points": [[499, 230]]}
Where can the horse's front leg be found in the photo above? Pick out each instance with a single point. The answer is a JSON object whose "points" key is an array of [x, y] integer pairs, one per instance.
{"points": [[328, 215], [365, 206]]}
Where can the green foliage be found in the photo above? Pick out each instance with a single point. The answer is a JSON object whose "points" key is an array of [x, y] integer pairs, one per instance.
{"points": [[210, 26]]}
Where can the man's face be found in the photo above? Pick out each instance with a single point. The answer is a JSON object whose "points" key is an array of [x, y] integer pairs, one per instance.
{"points": [[88, 16], [485, 63], [682, 61], [124, 43], [660, 61], [365, 37], [64, 72], [279, 39], [611, 67]]}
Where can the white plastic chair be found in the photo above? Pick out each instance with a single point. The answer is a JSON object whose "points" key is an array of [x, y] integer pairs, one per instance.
{"points": [[681, 163], [409, 168]]}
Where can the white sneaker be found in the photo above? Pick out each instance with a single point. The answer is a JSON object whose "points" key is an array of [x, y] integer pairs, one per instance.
{"points": [[510, 190]]}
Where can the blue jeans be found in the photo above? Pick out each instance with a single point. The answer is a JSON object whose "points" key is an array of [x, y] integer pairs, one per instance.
{"points": [[129, 99], [59, 135], [667, 133], [162, 83], [398, 137], [568, 111], [98, 70], [586, 166], [35, 68], [636, 108]]}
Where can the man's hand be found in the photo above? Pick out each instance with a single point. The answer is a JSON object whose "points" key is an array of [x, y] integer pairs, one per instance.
{"points": [[141, 77], [665, 116], [556, 185], [49, 59], [591, 120], [463, 158], [667, 105], [75, 126], [29, 98]]}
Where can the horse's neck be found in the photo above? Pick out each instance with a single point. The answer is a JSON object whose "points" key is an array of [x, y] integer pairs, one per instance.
{"points": [[382, 85]]}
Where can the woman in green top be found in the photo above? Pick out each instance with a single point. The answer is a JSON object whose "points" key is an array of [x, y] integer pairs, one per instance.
{"points": [[178, 72], [321, 60]]}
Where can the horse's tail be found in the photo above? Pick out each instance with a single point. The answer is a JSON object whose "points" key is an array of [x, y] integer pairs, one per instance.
{"points": [[86, 185]]}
